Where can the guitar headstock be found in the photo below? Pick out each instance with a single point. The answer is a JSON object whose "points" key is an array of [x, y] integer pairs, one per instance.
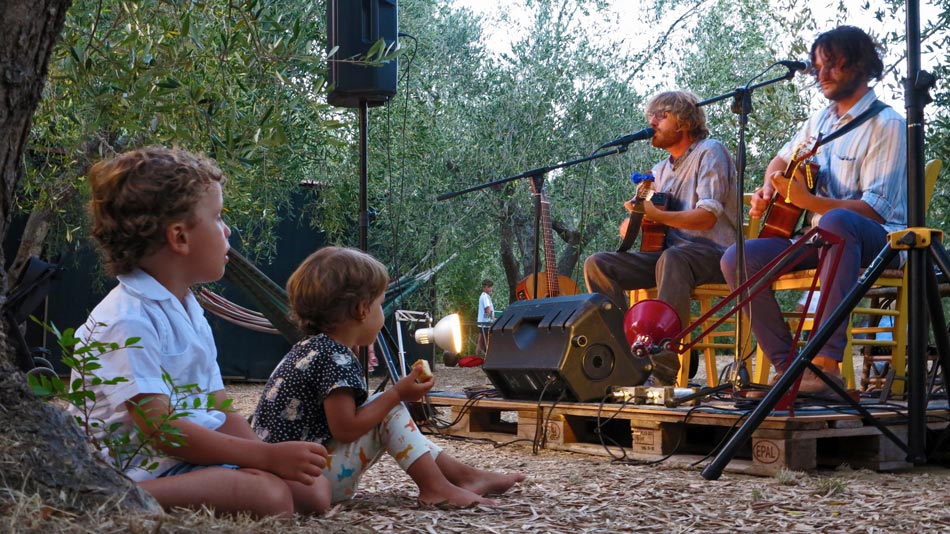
{"points": [[807, 149], [644, 184], [538, 191]]}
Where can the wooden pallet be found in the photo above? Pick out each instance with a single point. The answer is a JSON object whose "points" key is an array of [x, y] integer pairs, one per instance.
{"points": [[804, 442]]}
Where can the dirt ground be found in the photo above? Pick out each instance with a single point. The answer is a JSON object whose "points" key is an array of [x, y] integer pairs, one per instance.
{"points": [[574, 493]]}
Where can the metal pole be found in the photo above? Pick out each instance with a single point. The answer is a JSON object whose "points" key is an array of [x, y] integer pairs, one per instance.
{"points": [[402, 351], [364, 207], [364, 176], [917, 323]]}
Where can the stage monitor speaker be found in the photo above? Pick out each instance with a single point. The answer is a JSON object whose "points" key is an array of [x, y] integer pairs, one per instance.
{"points": [[354, 26], [570, 348]]}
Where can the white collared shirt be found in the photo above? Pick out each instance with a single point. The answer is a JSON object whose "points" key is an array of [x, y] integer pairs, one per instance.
{"points": [[175, 337], [868, 163]]}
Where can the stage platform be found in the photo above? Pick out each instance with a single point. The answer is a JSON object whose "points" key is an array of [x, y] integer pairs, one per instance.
{"points": [[816, 436]]}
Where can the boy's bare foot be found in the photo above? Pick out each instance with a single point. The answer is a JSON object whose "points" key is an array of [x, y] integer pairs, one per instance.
{"points": [[491, 483], [453, 496]]}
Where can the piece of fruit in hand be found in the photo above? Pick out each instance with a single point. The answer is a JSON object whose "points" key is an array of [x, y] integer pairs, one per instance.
{"points": [[426, 370]]}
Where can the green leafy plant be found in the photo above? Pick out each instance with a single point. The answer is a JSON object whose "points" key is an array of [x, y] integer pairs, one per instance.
{"points": [[830, 487], [122, 443], [787, 477]]}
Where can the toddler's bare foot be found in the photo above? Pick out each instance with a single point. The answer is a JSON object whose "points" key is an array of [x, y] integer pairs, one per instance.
{"points": [[453, 496], [490, 482]]}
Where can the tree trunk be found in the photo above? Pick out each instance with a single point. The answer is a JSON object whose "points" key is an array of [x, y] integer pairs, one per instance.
{"points": [[31, 242], [41, 451]]}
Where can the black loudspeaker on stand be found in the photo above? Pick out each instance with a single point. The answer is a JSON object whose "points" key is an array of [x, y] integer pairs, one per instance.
{"points": [[354, 26], [571, 348]]}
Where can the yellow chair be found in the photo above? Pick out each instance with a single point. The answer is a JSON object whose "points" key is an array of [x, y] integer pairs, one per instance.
{"points": [[707, 295], [892, 282]]}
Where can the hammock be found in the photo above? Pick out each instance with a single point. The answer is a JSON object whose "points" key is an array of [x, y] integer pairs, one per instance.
{"points": [[274, 317]]}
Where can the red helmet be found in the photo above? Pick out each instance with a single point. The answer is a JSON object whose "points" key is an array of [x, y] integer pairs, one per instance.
{"points": [[649, 322]]}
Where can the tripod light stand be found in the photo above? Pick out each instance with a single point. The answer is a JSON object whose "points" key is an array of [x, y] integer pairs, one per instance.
{"points": [[447, 333]]}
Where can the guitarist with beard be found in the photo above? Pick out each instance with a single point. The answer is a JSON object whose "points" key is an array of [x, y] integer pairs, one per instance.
{"points": [[860, 192], [698, 181]]}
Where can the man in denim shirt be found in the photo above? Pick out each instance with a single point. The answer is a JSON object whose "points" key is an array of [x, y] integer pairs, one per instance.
{"points": [[860, 194]]}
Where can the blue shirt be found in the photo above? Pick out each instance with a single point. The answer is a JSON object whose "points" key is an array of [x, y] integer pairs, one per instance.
{"points": [[868, 163]]}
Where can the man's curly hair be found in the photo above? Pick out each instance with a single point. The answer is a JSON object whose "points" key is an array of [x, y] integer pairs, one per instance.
{"points": [[853, 48], [136, 195], [682, 106], [329, 286]]}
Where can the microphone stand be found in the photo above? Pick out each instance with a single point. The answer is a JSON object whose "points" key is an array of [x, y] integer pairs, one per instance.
{"points": [[537, 175], [742, 106]]}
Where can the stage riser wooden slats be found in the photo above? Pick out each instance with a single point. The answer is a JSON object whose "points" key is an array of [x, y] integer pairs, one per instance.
{"points": [[800, 443]]}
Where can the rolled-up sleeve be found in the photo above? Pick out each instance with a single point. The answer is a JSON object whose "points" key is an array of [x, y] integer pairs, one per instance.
{"points": [[711, 188]]}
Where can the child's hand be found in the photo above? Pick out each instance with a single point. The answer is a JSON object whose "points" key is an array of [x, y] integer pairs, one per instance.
{"points": [[301, 461], [409, 389]]}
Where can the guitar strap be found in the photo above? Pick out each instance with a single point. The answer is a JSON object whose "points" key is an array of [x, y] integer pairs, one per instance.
{"points": [[876, 107], [634, 222], [633, 230]]}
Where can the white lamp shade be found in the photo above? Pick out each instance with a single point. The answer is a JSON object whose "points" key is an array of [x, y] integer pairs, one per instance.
{"points": [[447, 333]]}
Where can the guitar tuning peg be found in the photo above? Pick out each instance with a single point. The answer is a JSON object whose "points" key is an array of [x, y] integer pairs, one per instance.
{"points": [[636, 177]]}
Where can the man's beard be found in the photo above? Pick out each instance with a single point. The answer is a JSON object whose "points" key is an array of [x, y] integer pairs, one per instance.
{"points": [[844, 88], [666, 139]]}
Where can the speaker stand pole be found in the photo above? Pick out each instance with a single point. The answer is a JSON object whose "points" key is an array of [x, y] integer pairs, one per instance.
{"points": [[364, 176], [384, 352], [916, 87], [364, 218]]}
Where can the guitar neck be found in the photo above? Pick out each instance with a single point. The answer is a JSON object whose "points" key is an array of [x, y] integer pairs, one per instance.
{"points": [[789, 172], [550, 260]]}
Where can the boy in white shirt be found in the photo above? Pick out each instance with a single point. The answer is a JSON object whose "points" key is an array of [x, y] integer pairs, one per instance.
{"points": [[486, 316], [157, 219]]}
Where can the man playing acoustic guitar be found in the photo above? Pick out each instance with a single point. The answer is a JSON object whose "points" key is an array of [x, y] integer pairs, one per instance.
{"points": [[860, 192], [698, 180]]}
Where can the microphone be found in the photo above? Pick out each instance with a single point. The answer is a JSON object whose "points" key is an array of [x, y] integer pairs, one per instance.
{"points": [[796, 66], [646, 133]]}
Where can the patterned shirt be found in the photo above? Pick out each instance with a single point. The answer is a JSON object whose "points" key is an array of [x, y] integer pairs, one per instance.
{"points": [[291, 407], [704, 177], [868, 163]]}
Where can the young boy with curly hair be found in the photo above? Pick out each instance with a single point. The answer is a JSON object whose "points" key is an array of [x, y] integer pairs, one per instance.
{"points": [[156, 216], [317, 392]]}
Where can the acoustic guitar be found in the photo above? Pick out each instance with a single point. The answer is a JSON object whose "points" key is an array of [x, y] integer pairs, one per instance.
{"points": [[781, 216], [550, 284], [653, 233]]}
